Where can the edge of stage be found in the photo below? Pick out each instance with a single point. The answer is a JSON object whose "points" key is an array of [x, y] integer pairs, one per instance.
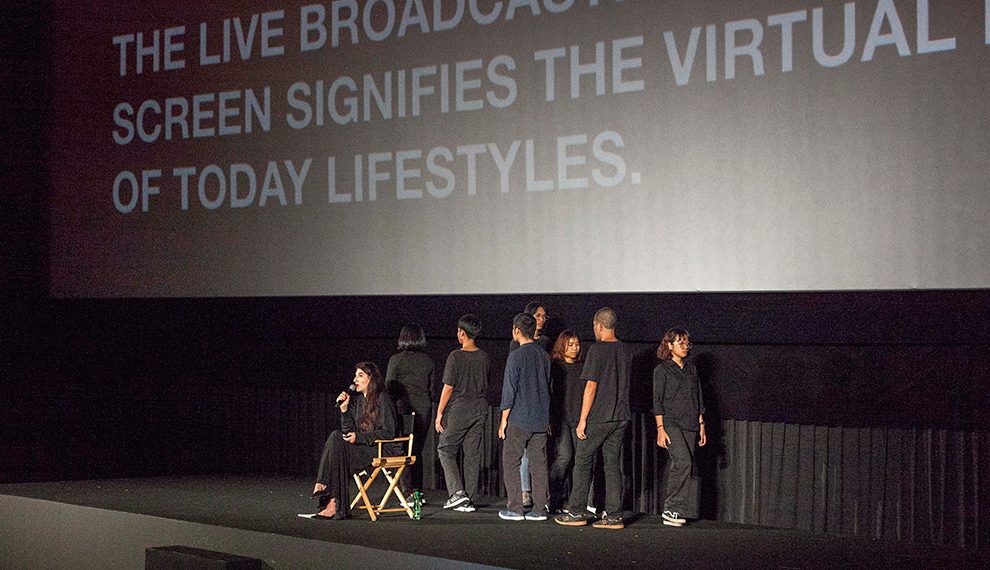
{"points": [[109, 523]]}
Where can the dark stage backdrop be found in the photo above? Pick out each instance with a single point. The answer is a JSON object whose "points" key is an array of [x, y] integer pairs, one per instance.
{"points": [[843, 412]]}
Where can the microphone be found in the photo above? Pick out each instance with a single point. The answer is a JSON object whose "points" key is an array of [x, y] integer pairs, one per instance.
{"points": [[351, 388]]}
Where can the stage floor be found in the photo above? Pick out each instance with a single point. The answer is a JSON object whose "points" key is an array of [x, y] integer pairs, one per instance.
{"points": [[270, 505]]}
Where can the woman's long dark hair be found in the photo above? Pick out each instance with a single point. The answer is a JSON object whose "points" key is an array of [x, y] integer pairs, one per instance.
{"points": [[375, 387]]}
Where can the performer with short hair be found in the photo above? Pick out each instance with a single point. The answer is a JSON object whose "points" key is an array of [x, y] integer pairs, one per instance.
{"points": [[461, 414], [679, 410], [525, 419], [539, 312], [603, 423]]}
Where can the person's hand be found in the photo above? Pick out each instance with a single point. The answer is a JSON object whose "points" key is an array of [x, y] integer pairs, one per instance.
{"points": [[501, 429], [438, 424], [342, 400], [663, 440], [701, 436], [581, 427], [350, 437]]}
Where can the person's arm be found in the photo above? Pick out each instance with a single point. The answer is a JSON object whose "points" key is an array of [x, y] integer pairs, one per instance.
{"points": [[659, 386], [444, 400], [702, 439], [390, 372], [504, 423], [346, 417], [590, 387]]}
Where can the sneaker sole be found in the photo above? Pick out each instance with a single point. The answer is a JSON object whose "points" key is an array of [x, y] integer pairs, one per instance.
{"points": [[514, 519], [575, 523], [538, 519], [465, 509], [672, 523], [609, 526]]}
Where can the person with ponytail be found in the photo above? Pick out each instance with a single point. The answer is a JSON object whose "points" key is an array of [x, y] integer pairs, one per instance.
{"points": [[365, 417]]}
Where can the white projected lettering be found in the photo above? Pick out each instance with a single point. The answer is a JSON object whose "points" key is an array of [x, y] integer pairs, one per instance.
{"points": [[796, 145]]}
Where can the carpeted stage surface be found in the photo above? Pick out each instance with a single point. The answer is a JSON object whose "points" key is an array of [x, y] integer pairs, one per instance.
{"points": [[270, 505]]}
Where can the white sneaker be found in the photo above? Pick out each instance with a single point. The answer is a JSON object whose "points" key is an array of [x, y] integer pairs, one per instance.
{"points": [[671, 518], [467, 507]]}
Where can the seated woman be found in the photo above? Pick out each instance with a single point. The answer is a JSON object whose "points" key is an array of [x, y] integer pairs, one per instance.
{"points": [[364, 418]]}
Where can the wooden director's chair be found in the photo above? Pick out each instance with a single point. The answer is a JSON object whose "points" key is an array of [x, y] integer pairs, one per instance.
{"points": [[392, 467]]}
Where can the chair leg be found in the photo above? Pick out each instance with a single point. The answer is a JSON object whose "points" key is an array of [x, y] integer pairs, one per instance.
{"points": [[394, 489], [362, 490]]}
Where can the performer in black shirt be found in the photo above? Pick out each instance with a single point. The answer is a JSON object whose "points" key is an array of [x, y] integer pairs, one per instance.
{"points": [[410, 380], [461, 415], [679, 409], [603, 423], [365, 418], [566, 393]]}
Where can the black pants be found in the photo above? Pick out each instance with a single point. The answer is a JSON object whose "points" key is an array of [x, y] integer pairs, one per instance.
{"points": [[609, 438], [518, 440], [562, 451], [338, 463], [682, 486], [412, 477], [461, 432]]}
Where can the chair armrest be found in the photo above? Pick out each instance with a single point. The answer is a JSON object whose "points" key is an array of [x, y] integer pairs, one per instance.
{"points": [[403, 438]]}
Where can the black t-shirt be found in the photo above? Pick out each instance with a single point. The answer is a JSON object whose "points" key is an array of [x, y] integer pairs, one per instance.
{"points": [[409, 378], [566, 393], [609, 365], [468, 374]]}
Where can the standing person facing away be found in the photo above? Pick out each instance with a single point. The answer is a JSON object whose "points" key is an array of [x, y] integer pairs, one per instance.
{"points": [[525, 419], [603, 424], [679, 410], [461, 414], [539, 313], [410, 378]]}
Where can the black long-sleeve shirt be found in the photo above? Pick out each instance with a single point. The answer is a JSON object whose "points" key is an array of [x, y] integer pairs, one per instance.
{"points": [[385, 427], [677, 394]]}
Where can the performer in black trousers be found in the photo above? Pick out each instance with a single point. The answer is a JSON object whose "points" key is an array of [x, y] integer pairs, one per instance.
{"points": [[461, 415], [410, 380], [566, 393], [525, 418], [679, 409], [603, 424]]}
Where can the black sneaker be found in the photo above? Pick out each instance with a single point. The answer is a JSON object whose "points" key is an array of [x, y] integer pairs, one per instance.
{"points": [[457, 499], [609, 521], [467, 507], [567, 518], [671, 518]]}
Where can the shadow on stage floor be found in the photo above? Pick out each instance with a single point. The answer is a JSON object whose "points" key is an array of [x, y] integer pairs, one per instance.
{"points": [[214, 507]]}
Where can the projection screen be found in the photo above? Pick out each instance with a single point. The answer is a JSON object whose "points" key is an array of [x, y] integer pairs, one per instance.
{"points": [[480, 146]]}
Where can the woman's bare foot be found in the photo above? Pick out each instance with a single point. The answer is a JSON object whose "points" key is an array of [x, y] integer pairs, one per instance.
{"points": [[319, 488], [331, 509]]}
